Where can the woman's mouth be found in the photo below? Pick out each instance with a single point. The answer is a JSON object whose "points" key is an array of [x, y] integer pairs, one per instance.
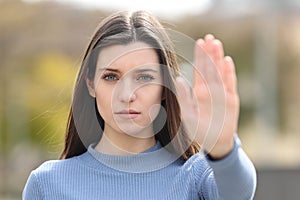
{"points": [[128, 114]]}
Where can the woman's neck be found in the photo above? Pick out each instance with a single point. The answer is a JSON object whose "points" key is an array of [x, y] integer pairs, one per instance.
{"points": [[114, 143]]}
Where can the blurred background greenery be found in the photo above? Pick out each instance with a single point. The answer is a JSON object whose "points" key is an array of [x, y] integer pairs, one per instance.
{"points": [[41, 45]]}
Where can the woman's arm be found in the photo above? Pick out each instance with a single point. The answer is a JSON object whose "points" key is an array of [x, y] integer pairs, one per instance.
{"points": [[210, 116], [232, 177]]}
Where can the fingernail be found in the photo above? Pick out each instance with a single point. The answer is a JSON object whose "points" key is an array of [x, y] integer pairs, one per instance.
{"points": [[228, 58], [200, 41], [209, 37]]}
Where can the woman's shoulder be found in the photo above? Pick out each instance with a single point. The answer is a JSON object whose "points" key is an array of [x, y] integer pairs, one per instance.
{"points": [[52, 176], [52, 167]]}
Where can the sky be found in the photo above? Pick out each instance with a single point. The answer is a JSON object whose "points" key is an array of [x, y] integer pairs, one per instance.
{"points": [[164, 8]]}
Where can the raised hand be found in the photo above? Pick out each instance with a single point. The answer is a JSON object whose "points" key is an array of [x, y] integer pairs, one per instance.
{"points": [[210, 112]]}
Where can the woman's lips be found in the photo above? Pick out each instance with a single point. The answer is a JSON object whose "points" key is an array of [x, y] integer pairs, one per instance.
{"points": [[128, 114]]}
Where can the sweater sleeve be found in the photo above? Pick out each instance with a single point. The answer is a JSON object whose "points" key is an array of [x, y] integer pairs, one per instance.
{"points": [[32, 189], [232, 178]]}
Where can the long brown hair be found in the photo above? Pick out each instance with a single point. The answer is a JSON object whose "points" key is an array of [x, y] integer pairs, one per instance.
{"points": [[85, 124]]}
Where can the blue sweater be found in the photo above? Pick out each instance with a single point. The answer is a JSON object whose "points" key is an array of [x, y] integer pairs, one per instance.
{"points": [[148, 175]]}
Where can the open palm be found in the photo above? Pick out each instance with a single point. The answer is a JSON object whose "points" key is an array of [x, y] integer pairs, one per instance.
{"points": [[210, 113]]}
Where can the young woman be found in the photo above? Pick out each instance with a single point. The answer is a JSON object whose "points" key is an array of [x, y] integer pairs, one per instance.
{"points": [[137, 131]]}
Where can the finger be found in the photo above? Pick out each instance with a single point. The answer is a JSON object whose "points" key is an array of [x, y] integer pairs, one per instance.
{"points": [[217, 51], [230, 78], [199, 63], [209, 38], [214, 48], [217, 55], [209, 44], [211, 50]]}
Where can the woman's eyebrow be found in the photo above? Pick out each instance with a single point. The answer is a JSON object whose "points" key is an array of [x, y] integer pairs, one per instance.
{"points": [[108, 69], [136, 71], [145, 70]]}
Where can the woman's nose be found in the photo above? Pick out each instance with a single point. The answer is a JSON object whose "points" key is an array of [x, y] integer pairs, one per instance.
{"points": [[126, 91]]}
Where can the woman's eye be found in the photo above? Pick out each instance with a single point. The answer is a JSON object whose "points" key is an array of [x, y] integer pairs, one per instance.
{"points": [[110, 77], [145, 78]]}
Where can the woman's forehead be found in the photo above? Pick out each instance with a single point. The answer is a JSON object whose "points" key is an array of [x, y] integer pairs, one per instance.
{"points": [[130, 56]]}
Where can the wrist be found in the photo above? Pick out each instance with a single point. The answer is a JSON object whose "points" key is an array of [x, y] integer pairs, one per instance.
{"points": [[218, 153]]}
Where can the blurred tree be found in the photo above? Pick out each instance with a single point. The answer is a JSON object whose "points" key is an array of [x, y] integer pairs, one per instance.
{"points": [[49, 97]]}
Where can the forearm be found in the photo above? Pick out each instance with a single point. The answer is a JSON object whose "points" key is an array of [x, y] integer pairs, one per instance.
{"points": [[235, 175]]}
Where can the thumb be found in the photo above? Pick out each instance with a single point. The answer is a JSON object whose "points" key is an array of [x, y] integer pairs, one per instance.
{"points": [[188, 107], [183, 92], [185, 98]]}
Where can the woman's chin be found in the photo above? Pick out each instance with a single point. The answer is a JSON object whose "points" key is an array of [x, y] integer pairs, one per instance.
{"points": [[137, 131]]}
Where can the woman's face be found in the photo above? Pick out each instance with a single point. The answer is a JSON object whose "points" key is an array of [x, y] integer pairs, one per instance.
{"points": [[128, 88]]}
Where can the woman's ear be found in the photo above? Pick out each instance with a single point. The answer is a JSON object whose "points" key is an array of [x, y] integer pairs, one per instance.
{"points": [[90, 86]]}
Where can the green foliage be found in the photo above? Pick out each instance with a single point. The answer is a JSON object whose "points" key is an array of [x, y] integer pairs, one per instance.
{"points": [[49, 97]]}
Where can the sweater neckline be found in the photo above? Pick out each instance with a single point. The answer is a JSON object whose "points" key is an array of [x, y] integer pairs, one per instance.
{"points": [[152, 159]]}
